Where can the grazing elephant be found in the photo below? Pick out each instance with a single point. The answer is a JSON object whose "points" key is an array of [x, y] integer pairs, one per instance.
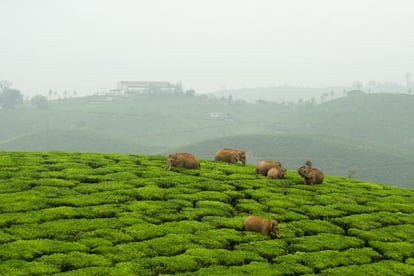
{"points": [[182, 160], [230, 155], [262, 225], [263, 166], [276, 173], [310, 175]]}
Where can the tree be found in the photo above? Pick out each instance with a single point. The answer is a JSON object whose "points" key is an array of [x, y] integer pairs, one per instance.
{"points": [[10, 97], [357, 85], [40, 102]]}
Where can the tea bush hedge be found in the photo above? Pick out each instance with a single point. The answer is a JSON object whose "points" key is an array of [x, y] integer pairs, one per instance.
{"points": [[65, 213]]}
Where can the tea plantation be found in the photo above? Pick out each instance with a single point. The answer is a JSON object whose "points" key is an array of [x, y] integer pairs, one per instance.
{"points": [[116, 214]]}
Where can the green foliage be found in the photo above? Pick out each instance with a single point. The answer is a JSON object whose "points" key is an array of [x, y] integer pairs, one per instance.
{"points": [[113, 214], [398, 251], [325, 241]]}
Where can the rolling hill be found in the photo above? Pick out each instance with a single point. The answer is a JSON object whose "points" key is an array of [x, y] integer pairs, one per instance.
{"points": [[375, 140], [116, 214], [334, 155]]}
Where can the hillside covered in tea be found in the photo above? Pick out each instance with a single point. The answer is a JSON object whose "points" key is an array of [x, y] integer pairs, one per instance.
{"points": [[116, 214]]}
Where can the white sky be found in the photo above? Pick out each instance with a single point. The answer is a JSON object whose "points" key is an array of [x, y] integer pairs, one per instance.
{"points": [[88, 45]]}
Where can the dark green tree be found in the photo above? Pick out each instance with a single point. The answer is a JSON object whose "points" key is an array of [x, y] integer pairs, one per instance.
{"points": [[40, 102], [10, 97]]}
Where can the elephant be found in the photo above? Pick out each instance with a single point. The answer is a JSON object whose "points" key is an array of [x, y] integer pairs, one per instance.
{"points": [[310, 175], [276, 173], [263, 166], [262, 225], [231, 155], [182, 160]]}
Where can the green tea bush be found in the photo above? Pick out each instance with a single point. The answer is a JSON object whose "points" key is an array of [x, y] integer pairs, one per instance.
{"points": [[391, 233], [285, 215], [5, 237], [309, 227], [379, 268], [207, 257], [206, 184], [184, 227], [68, 229], [30, 249], [225, 222], [56, 182], [223, 209], [87, 271], [329, 258], [174, 264], [319, 211], [253, 268], [249, 206], [267, 249], [218, 238], [113, 235], [22, 201], [144, 231], [398, 251], [124, 252], [325, 241], [210, 195], [74, 260], [371, 220], [150, 192], [21, 268], [116, 214]]}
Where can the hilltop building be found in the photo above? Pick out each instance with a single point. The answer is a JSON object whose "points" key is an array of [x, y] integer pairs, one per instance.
{"points": [[137, 87]]}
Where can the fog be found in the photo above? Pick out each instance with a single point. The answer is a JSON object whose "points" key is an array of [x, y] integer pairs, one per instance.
{"points": [[88, 46]]}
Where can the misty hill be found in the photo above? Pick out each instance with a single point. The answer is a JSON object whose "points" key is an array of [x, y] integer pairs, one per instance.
{"points": [[334, 155], [117, 214], [293, 94], [380, 118], [156, 123]]}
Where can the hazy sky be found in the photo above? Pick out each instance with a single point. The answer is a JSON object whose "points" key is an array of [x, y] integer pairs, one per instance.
{"points": [[88, 45]]}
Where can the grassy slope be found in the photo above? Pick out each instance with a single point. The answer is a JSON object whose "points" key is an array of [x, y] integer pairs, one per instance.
{"points": [[335, 155], [113, 214], [383, 118], [81, 140]]}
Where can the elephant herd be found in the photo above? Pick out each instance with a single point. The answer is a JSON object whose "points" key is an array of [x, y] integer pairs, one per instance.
{"points": [[272, 169]]}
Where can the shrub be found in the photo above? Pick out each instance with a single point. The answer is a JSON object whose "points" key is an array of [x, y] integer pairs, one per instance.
{"points": [[144, 231], [87, 271], [392, 233], [218, 238], [169, 245], [22, 267], [309, 227], [249, 206], [68, 229], [325, 241], [267, 249], [371, 220], [379, 268], [398, 251], [224, 209], [184, 227], [235, 223], [207, 257], [319, 211], [29, 249], [125, 252], [150, 192], [74, 260], [174, 264], [329, 258]]}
